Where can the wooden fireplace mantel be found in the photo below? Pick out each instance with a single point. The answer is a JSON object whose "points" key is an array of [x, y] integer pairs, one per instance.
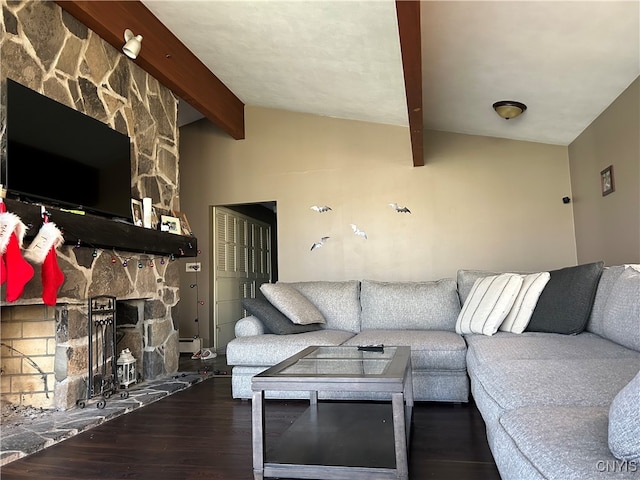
{"points": [[98, 232]]}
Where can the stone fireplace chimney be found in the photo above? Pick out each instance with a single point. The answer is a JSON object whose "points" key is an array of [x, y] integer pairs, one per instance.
{"points": [[44, 349]]}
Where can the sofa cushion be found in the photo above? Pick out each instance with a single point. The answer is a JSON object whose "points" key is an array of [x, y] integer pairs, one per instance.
{"points": [[431, 350], [339, 302], [269, 349], [624, 422], [410, 305], [526, 300], [292, 303], [488, 303], [273, 319], [575, 381], [562, 443], [565, 303], [622, 311], [503, 348], [605, 286]]}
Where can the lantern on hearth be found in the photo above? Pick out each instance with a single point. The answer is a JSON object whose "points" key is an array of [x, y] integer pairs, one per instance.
{"points": [[126, 368]]}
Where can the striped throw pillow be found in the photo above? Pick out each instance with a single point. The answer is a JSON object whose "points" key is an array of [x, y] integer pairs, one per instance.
{"points": [[488, 304], [520, 314]]}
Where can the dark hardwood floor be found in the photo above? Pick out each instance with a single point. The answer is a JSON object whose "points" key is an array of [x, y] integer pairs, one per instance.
{"points": [[202, 433]]}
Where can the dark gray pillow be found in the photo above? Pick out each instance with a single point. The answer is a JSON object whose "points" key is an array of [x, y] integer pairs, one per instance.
{"points": [[565, 303], [273, 319]]}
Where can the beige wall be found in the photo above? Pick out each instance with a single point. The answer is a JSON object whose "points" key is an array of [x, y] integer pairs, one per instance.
{"points": [[608, 228], [478, 203]]}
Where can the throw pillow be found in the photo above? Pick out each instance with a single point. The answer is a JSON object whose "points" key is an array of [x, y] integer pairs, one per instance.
{"points": [[273, 319], [488, 303], [520, 314], [565, 303], [624, 422], [621, 319], [292, 303]]}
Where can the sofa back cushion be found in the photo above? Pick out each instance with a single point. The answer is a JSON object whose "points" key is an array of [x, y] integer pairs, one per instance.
{"points": [[410, 305], [466, 279], [339, 302], [622, 311], [605, 286]]}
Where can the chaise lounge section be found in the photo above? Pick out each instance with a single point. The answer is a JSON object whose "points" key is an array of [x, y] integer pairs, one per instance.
{"points": [[546, 397]]}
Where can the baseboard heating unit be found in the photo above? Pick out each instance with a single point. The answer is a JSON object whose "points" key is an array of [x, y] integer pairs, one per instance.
{"points": [[190, 345]]}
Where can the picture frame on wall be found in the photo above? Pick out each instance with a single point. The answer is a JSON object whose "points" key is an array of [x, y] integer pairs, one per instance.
{"points": [[136, 212], [606, 181], [170, 224], [184, 223]]}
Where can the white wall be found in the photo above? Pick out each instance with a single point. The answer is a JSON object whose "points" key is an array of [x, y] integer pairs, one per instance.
{"points": [[608, 228], [478, 203]]}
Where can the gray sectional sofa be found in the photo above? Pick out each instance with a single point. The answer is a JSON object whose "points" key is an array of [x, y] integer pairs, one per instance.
{"points": [[547, 398]]}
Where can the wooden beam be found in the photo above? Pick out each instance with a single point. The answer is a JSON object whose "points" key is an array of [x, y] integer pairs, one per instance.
{"points": [[165, 57], [408, 12]]}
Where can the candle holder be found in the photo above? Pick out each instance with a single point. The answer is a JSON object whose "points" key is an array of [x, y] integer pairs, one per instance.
{"points": [[126, 368]]}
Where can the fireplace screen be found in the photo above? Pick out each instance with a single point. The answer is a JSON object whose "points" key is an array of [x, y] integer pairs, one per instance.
{"points": [[102, 380]]}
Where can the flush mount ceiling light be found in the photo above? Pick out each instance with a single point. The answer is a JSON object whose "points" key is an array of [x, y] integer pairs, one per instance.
{"points": [[134, 43], [509, 109]]}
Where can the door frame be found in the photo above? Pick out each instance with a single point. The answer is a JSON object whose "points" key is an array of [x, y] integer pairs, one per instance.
{"points": [[264, 212]]}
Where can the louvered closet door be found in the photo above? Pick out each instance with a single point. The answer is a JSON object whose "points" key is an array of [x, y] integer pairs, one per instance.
{"points": [[242, 264]]}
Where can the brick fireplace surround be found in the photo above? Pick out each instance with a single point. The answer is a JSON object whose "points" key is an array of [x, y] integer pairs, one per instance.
{"points": [[44, 349]]}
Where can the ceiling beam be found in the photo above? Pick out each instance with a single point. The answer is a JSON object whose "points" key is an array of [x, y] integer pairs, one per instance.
{"points": [[165, 57], [408, 12]]}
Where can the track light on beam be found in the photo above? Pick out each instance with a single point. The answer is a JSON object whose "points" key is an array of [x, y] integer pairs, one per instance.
{"points": [[133, 44]]}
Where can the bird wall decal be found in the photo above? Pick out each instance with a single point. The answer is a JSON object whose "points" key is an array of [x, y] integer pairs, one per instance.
{"points": [[320, 209], [399, 209], [358, 232], [319, 244]]}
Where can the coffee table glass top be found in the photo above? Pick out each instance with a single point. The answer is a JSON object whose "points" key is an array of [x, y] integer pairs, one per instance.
{"points": [[342, 361]]}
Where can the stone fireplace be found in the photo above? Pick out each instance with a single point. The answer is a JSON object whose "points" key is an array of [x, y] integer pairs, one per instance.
{"points": [[44, 349]]}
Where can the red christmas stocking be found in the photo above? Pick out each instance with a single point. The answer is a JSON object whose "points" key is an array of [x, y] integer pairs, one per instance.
{"points": [[17, 270], [43, 251], [52, 278], [3, 270], [3, 266]]}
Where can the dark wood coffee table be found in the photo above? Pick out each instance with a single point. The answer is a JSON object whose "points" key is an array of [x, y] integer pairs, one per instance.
{"points": [[335, 439]]}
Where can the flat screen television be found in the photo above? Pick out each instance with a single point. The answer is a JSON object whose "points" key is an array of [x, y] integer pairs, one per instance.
{"points": [[59, 156]]}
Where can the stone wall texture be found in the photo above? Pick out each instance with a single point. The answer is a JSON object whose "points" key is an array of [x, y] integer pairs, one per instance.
{"points": [[49, 51]]}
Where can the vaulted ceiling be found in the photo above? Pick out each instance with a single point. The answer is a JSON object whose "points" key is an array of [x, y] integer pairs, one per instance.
{"points": [[432, 64]]}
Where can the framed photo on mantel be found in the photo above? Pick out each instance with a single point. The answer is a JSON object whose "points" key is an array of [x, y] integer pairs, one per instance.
{"points": [[136, 212], [184, 223], [170, 224], [606, 181]]}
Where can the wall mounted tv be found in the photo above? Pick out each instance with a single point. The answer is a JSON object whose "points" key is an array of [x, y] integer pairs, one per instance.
{"points": [[61, 157]]}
